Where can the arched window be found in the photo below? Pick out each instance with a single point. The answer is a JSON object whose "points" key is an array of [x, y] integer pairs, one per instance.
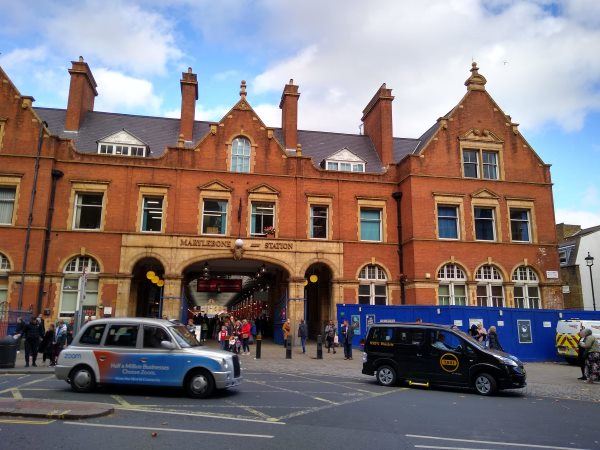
{"points": [[240, 154], [490, 291], [80, 284], [4, 269], [372, 289], [452, 289], [526, 290]]}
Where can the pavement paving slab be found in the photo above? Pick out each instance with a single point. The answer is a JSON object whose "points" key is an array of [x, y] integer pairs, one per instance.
{"points": [[52, 409]]}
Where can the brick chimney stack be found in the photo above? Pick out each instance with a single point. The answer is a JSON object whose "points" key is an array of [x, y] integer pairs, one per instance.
{"points": [[82, 92], [189, 95], [377, 120], [289, 115]]}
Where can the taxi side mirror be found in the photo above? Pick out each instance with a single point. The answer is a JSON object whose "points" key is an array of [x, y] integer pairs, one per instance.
{"points": [[167, 345]]}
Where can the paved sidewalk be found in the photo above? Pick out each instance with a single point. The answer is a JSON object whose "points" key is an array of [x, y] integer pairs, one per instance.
{"points": [[52, 409]]}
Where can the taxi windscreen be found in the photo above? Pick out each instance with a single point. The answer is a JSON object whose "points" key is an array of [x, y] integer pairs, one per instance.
{"points": [[184, 338]]}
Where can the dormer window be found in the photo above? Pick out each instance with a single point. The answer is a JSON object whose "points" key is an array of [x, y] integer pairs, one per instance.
{"points": [[123, 143], [344, 161]]}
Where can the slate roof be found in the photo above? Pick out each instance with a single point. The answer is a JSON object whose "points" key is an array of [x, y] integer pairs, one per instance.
{"points": [[162, 132], [574, 240]]}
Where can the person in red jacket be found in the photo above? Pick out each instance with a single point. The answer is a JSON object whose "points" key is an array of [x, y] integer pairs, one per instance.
{"points": [[246, 328]]}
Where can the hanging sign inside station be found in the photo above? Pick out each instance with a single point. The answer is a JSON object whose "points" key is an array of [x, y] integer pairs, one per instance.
{"points": [[219, 285]]}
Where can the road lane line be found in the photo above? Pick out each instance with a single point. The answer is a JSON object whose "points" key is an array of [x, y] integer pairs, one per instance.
{"points": [[509, 444], [176, 430], [194, 414], [325, 382], [251, 410], [121, 401], [451, 448], [27, 422], [16, 394], [304, 394]]}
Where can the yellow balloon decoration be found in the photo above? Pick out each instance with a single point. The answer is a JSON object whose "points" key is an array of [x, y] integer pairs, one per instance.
{"points": [[313, 278], [160, 283], [154, 279], [305, 282], [150, 274]]}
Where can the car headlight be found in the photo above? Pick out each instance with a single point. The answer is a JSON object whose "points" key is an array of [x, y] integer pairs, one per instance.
{"points": [[507, 361], [225, 364], [364, 357]]}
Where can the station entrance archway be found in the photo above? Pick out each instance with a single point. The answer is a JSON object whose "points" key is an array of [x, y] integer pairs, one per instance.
{"points": [[317, 294], [145, 295]]}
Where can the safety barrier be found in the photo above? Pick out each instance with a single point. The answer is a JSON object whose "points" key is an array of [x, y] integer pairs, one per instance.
{"points": [[530, 334]]}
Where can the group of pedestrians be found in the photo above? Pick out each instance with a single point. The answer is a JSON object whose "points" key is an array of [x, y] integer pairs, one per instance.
{"points": [[38, 340], [487, 338], [332, 339], [236, 335]]}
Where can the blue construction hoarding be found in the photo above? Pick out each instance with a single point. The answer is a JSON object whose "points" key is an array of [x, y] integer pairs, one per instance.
{"points": [[527, 333]]}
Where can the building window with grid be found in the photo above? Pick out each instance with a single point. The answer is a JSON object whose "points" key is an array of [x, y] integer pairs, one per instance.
{"points": [[485, 224], [263, 219], [526, 289], [452, 288], [447, 221], [520, 228], [88, 211], [372, 289], [471, 163], [318, 221], [152, 214], [7, 204], [490, 165], [80, 281], [490, 291], [370, 224], [214, 217], [240, 155], [4, 269], [480, 164]]}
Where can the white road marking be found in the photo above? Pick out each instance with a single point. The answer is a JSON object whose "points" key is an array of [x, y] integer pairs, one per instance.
{"points": [[194, 414], [510, 444], [304, 394], [451, 448], [16, 394], [176, 430], [121, 401]]}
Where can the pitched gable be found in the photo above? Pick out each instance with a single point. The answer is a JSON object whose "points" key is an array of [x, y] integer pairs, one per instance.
{"points": [[122, 137]]}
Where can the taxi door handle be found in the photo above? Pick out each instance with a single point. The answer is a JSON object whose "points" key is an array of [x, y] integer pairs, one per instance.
{"points": [[143, 360], [102, 358]]}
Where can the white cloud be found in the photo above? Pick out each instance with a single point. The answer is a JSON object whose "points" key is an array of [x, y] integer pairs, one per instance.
{"points": [[114, 33], [591, 196], [540, 68], [578, 217], [119, 92], [225, 75], [212, 114], [15, 59]]}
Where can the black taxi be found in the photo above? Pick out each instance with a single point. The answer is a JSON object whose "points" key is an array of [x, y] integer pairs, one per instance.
{"points": [[430, 354]]}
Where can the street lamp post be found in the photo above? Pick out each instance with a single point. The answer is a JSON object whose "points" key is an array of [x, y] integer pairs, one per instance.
{"points": [[589, 261]]}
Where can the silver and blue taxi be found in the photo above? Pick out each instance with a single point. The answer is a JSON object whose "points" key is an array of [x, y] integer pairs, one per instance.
{"points": [[150, 352]]}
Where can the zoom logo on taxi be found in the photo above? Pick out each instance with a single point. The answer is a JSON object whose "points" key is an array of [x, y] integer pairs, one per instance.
{"points": [[449, 362]]}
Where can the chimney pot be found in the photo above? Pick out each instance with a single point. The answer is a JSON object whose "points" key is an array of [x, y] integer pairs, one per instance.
{"points": [[189, 95], [377, 120], [82, 92], [289, 115]]}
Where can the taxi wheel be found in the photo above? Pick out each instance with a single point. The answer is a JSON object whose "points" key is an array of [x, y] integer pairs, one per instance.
{"points": [[485, 384], [82, 379], [386, 375], [200, 384]]}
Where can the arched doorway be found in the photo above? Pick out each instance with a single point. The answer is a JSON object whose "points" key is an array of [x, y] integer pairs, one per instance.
{"points": [[146, 291], [246, 288], [317, 293]]}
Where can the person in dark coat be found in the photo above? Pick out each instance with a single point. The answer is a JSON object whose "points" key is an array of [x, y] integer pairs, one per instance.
{"points": [[493, 341], [32, 341], [41, 325], [303, 334], [347, 334], [47, 345]]}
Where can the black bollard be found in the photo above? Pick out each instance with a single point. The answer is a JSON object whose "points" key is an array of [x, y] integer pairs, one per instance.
{"points": [[319, 347], [258, 345], [288, 349]]}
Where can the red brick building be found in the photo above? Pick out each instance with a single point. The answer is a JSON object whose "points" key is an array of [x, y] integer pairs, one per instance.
{"points": [[462, 215]]}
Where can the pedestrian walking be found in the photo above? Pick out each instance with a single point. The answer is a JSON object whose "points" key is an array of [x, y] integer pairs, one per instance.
{"points": [[286, 332], [481, 335], [591, 348], [347, 334], [204, 329], [32, 341], [493, 341], [330, 334], [47, 345], [581, 355], [60, 340], [246, 329], [224, 338], [303, 334]]}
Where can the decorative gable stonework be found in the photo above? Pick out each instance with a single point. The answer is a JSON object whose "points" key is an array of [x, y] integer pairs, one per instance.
{"points": [[345, 155], [263, 189], [215, 186], [122, 143], [122, 137], [477, 135], [484, 193]]}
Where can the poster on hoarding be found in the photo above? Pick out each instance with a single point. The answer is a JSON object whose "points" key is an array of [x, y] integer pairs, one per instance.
{"points": [[356, 324], [370, 319], [524, 329]]}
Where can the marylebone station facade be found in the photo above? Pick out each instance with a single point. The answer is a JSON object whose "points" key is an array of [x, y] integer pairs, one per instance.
{"points": [[149, 216]]}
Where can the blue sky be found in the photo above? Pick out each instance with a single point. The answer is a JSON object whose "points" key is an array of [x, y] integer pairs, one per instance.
{"points": [[540, 59]]}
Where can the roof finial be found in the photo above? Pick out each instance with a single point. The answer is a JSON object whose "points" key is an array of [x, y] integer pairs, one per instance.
{"points": [[243, 89], [81, 59], [189, 70], [476, 82]]}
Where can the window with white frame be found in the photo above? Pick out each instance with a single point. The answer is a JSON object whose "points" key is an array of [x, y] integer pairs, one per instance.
{"points": [[372, 288], [490, 291], [447, 221], [4, 269], [263, 219], [152, 213], [479, 163], [370, 224], [341, 166], [452, 288], [214, 216], [121, 149], [564, 253], [7, 204], [88, 210], [520, 225], [526, 289], [485, 224], [318, 221], [240, 155], [80, 281]]}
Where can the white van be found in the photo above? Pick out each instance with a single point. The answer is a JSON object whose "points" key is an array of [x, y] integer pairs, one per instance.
{"points": [[567, 337]]}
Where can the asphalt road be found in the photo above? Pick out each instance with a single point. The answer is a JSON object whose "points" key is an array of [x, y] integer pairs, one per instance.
{"points": [[292, 410]]}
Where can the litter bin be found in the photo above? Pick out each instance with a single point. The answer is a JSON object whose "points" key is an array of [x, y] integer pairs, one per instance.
{"points": [[8, 352]]}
